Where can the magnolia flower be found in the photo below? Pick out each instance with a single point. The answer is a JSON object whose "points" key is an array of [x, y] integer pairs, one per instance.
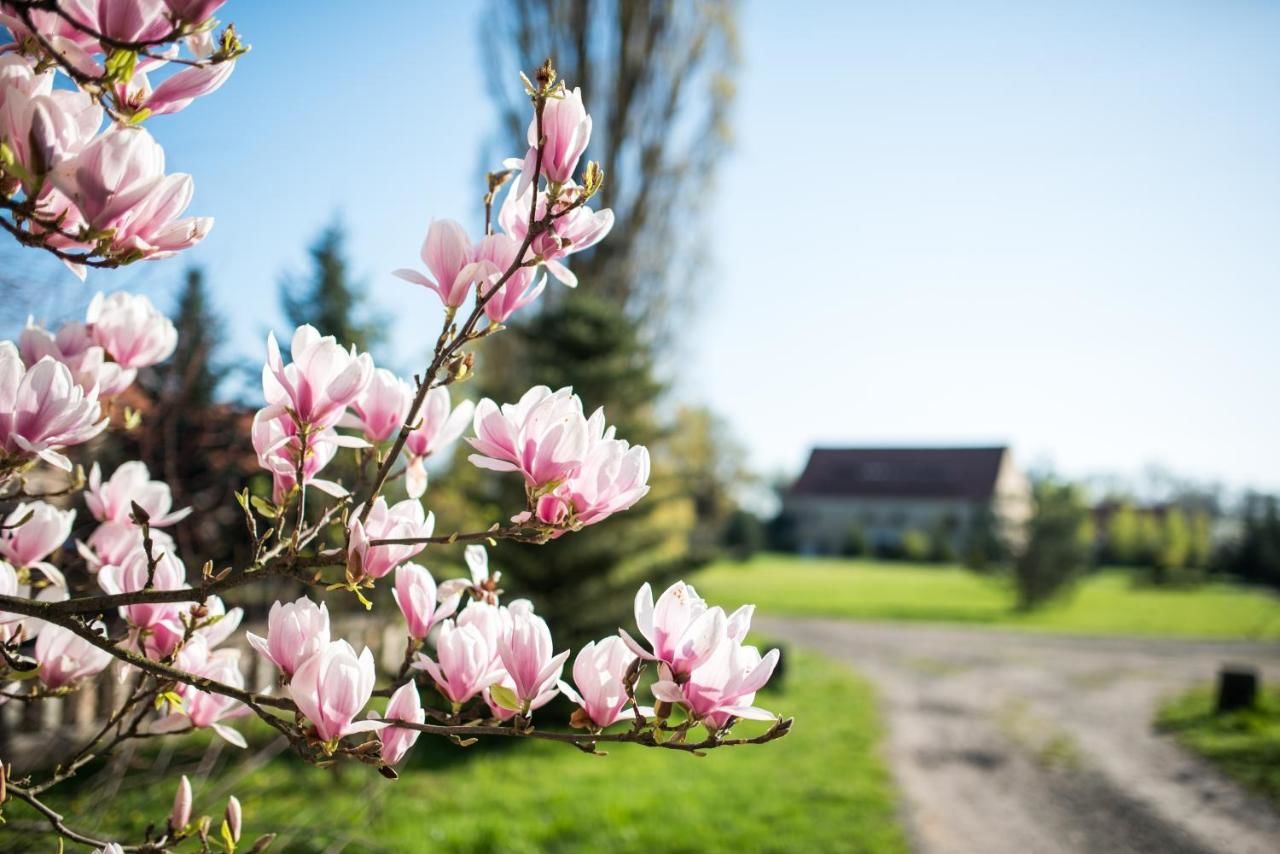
{"points": [[112, 542], [42, 410], [599, 671], [526, 653], [321, 382], [544, 436], [381, 408], [405, 705], [65, 657], [466, 662], [448, 255], [74, 347], [681, 628], [437, 429], [482, 586], [404, 520], [500, 252], [193, 11], [218, 623], [180, 89], [132, 20], [132, 330], [278, 443], [724, 686], [32, 532], [207, 709], [295, 632], [613, 477], [332, 686], [42, 127], [112, 500], [130, 576], [416, 595], [118, 184], [579, 229], [567, 129]]}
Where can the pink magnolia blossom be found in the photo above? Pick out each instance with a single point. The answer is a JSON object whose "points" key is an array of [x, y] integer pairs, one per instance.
{"points": [[74, 347], [16, 627], [598, 673], [112, 542], [682, 629], [206, 709], [403, 520], [42, 127], [130, 576], [381, 408], [571, 232], [42, 410], [295, 632], [193, 11], [567, 129], [44, 531], [320, 383], [65, 657], [112, 500], [65, 39], [466, 662], [416, 595], [133, 20], [332, 686], [500, 252], [218, 623], [483, 585], [118, 183], [437, 429], [132, 330], [278, 443], [448, 255], [178, 90], [405, 705], [613, 477], [724, 686], [526, 653], [544, 436]]}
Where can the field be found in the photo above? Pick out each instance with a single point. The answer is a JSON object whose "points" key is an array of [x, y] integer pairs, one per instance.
{"points": [[822, 788], [1106, 602], [1245, 744]]}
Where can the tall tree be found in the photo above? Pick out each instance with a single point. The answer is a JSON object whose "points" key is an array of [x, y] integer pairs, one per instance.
{"points": [[1057, 547], [327, 298]]}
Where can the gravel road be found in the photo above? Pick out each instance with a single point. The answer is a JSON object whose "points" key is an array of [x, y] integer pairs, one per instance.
{"points": [[1040, 744]]}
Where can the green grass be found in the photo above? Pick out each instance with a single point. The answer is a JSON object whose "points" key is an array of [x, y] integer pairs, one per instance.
{"points": [[1104, 603], [1245, 744], [822, 788]]}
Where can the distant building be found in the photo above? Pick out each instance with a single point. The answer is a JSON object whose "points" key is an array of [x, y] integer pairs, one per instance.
{"points": [[877, 495]]}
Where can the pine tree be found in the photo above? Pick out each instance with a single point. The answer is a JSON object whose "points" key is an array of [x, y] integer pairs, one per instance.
{"points": [[327, 298]]}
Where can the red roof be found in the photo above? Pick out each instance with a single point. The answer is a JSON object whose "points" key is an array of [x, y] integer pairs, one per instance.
{"points": [[968, 473]]}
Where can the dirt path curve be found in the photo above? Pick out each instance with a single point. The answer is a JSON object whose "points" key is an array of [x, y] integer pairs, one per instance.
{"points": [[1039, 744]]}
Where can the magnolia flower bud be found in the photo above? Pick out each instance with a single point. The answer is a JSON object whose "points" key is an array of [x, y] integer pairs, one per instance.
{"points": [[180, 817], [233, 817]]}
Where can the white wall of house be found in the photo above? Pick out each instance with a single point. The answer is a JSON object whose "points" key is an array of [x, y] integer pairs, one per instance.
{"points": [[823, 523]]}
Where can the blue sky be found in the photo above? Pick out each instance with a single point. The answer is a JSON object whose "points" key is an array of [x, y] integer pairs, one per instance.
{"points": [[1051, 225]]}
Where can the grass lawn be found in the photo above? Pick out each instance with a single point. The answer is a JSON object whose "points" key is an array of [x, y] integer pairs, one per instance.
{"points": [[1245, 744], [1104, 603], [822, 788]]}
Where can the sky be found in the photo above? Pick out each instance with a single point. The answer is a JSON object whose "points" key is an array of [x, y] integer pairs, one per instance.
{"points": [[1050, 225]]}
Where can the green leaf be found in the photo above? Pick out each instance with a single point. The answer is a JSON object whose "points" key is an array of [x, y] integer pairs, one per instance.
{"points": [[504, 697], [264, 507], [227, 841]]}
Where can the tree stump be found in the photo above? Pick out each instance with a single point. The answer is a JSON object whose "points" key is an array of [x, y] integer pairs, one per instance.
{"points": [[1237, 688]]}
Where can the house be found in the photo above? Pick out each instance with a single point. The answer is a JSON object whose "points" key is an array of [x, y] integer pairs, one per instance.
{"points": [[878, 495]]}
